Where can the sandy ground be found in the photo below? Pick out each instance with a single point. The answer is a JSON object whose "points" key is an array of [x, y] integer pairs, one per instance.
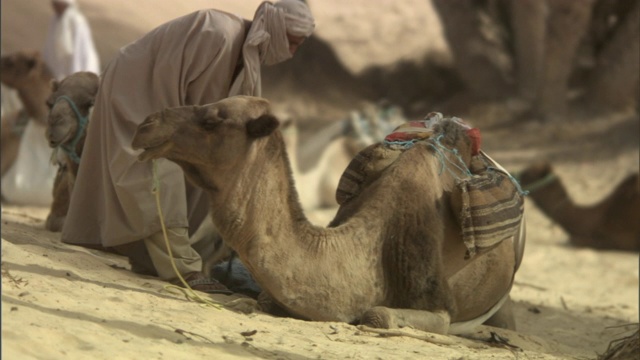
{"points": [[66, 302]]}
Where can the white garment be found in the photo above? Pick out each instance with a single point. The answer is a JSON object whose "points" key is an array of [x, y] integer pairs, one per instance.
{"points": [[69, 46], [30, 180], [10, 100]]}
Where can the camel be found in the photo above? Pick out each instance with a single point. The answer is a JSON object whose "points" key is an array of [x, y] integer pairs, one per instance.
{"points": [[25, 72], [317, 185], [393, 256], [13, 123], [70, 103], [337, 144], [609, 224]]}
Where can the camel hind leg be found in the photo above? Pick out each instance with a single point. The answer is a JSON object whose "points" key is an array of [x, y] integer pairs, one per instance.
{"points": [[500, 315], [503, 318]]}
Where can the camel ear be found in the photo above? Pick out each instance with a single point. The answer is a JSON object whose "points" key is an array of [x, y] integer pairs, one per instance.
{"points": [[262, 126]]}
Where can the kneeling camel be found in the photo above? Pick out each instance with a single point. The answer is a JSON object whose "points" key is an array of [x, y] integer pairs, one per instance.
{"points": [[392, 257], [609, 224], [70, 105]]}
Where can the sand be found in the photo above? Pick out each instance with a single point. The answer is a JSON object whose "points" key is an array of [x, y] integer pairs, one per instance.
{"points": [[66, 302]]}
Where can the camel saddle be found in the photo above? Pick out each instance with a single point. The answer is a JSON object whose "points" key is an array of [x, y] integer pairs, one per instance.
{"points": [[487, 199]]}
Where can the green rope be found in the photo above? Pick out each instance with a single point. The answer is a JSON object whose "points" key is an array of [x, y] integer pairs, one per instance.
{"points": [[70, 149], [536, 185]]}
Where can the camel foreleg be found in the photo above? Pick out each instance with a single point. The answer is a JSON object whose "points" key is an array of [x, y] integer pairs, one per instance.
{"points": [[388, 318]]}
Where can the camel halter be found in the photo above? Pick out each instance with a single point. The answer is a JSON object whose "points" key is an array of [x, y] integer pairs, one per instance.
{"points": [[537, 185], [70, 149]]}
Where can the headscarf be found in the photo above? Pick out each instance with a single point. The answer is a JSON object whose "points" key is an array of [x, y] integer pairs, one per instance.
{"points": [[70, 2], [267, 42], [297, 17]]}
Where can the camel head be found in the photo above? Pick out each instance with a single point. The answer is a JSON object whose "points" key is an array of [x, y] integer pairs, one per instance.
{"points": [[20, 68], [76, 90], [204, 138]]}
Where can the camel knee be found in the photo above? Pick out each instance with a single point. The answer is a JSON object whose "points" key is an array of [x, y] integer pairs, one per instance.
{"points": [[387, 318], [54, 223], [378, 317]]}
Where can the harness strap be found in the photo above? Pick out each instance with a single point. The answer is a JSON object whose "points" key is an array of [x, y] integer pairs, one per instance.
{"points": [[536, 185], [70, 149]]}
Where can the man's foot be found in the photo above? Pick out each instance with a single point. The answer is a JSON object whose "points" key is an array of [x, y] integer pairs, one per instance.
{"points": [[198, 281]]}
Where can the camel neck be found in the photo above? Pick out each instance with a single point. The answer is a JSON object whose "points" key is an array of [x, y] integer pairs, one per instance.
{"points": [[33, 106], [259, 216], [553, 199]]}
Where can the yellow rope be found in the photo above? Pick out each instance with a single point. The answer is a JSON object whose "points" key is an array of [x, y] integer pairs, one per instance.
{"points": [[187, 290]]}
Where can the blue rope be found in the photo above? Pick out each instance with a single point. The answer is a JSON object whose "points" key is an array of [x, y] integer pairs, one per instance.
{"points": [[515, 182], [440, 153], [440, 150], [70, 149], [400, 144]]}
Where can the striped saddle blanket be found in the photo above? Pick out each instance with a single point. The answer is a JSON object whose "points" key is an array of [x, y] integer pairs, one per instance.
{"points": [[487, 199]]}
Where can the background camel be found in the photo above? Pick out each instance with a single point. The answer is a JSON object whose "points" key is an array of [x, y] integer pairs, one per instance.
{"points": [[609, 224], [13, 124], [26, 73], [27, 176], [381, 261], [319, 161], [70, 103], [550, 53]]}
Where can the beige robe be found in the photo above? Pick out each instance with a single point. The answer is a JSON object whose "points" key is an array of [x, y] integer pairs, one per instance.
{"points": [[187, 61]]}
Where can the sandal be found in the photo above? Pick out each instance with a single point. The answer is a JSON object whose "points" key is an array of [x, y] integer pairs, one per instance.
{"points": [[198, 281]]}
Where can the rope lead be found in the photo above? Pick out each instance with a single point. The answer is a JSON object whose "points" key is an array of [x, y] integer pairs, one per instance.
{"points": [[187, 290]]}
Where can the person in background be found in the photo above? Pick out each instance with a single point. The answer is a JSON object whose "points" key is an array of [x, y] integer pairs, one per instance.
{"points": [[196, 59], [69, 45]]}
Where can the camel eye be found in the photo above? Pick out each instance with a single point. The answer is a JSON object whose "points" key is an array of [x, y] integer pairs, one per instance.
{"points": [[210, 124]]}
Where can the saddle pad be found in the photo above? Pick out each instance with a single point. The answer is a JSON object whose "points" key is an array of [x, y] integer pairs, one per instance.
{"points": [[491, 206], [487, 201]]}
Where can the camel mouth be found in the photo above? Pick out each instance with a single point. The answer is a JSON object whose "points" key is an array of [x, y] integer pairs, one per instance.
{"points": [[66, 139], [154, 152]]}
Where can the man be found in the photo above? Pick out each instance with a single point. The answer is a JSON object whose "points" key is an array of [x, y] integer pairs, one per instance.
{"points": [[69, 46], [199, 58]]}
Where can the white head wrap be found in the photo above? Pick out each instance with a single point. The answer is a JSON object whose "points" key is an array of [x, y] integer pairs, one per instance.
{"points": [[297, 17], [267, 41], [70, 2]]}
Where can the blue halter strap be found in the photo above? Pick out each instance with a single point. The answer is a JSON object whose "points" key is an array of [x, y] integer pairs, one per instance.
{"points": [[70, 149]]}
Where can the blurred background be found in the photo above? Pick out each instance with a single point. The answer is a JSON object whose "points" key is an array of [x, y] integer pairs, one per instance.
{"points": [[555, 80]]}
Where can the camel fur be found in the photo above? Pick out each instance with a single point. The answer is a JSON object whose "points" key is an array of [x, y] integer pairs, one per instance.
{"points": [[609, 224], [336, 144], [66, 134], [392, 257], [25, 72]]}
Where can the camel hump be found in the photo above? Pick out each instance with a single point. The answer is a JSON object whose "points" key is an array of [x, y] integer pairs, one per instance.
{"points": [[363, 169], [488, 201]]}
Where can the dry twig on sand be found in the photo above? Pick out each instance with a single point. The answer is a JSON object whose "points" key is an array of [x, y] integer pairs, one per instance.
{"points": [[17, 281], [625, 348], [432, 338]]}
